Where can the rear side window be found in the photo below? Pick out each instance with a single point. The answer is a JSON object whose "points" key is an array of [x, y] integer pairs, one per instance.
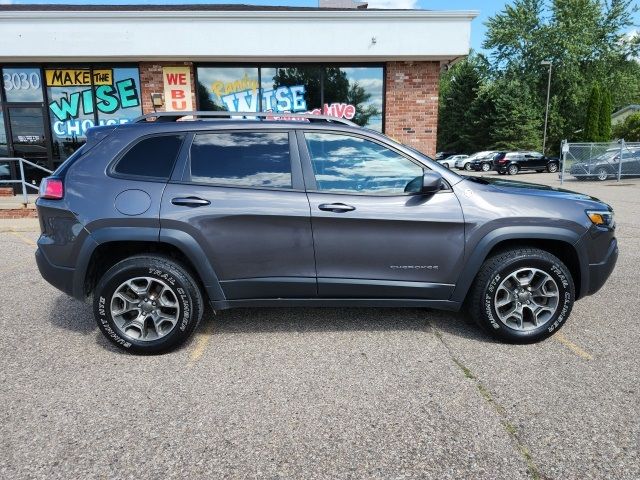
{"points": [[152, 157], [245, 159]]}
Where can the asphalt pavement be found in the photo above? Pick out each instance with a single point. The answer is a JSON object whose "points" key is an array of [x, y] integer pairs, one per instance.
{"points": [[323, 393]]}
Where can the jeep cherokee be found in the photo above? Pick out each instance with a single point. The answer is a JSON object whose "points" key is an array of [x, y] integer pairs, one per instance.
{"points": [[151, 219]]}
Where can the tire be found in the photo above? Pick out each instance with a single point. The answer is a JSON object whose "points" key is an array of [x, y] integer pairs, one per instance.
{"points": [[171, 314], [485, 167], [495, 279], [467, 166], [513, 169], [602, 174], [552, 167], [446, 165]]}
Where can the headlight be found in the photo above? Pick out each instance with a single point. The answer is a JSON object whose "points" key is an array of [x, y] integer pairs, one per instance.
{"points": [[602, 218]]}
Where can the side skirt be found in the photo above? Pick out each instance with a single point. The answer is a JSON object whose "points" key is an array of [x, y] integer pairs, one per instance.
{"points": [[338, 302]]}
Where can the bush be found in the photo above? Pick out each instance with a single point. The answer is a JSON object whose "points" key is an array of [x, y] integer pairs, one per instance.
{"points": [[629, 129]]}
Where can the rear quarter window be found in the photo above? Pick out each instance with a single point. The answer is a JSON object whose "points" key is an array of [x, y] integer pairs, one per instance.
{"points": [[151, 157]]}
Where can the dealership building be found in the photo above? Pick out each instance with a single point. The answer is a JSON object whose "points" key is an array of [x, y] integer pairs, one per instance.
{"points": [[67, 68]]}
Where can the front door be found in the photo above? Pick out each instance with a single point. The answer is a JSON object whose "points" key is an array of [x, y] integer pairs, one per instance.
{"points": [[371, 238], [242, 198], [28, 140]]}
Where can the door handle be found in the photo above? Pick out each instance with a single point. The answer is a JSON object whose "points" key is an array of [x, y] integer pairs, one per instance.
{"points": [[336, 207], [190, 201]]}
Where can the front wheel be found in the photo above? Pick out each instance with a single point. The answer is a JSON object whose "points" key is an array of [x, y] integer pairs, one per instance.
{"points": [[147, 304], [467, 167], [486, 167], [552, 167], [522, 295], [513, 169]]}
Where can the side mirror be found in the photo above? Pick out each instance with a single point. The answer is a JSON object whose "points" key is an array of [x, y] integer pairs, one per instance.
{"points": [[431, 182]]}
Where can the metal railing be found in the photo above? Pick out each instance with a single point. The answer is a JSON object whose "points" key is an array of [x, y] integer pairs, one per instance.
{"points": [[22, 181], [599, 161]]}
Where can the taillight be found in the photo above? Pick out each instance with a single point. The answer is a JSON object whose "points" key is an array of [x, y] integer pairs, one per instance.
{"points": [[503, 161], [51, 188]]}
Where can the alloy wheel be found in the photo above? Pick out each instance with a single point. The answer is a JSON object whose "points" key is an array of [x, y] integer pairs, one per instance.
{"points": [[486, 167], [513, 169], [527, 299], [602, 174], [552, 168], [145, 308], [467, 166]]}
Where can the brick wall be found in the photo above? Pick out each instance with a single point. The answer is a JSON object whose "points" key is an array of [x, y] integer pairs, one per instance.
{"points": [[412, 104], [151, 80]]}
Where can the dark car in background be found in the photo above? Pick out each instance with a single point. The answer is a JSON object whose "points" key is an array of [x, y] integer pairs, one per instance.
{"points": [[486, 163], [607, 165], [513, 162]]}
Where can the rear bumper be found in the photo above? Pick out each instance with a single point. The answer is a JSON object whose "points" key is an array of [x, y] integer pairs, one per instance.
{"points": [[59, 277], [600, 272]]}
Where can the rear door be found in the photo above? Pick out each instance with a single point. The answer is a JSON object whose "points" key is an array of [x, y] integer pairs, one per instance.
{"points": [[373, 240], [241, 197]]}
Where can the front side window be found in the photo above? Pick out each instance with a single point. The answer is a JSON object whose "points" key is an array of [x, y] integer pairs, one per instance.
{"points": [[242, 159], [344, 163], [152, 157]]}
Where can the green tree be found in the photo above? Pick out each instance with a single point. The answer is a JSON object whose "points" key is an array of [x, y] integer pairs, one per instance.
{"points": [[517, 123], [629, 129], [357, 97], [604, 117], [204, 100], [587, 42], [462, 125], [591, 131]]}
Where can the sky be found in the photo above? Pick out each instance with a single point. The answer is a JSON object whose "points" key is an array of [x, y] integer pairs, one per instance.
{"points": [[486, 8]]}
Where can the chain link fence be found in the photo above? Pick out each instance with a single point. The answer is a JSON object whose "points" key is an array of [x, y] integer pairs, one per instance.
{"points": [[599, 161]]}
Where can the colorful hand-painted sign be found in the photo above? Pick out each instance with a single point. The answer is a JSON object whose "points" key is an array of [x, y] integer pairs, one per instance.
{"points": [[73, 107]]}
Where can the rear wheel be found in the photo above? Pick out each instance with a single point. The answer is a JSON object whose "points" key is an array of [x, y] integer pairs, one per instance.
{"points": [[446, 165], [486, 167], [147, 304], [522, 295], [552, 167], [467, 166], [513, 169]]}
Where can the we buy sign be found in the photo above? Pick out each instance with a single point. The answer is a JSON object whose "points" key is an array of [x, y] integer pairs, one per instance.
{"points": [[177, 89]]}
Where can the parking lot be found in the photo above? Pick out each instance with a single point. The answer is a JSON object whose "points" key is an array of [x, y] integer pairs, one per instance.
{"points": [[324, 393]]}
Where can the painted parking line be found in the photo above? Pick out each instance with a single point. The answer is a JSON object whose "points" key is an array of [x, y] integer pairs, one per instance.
{"points": [[200, 342], [572, 346], [24, 238]]}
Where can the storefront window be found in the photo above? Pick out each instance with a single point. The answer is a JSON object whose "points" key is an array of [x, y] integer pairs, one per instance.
{"points": [[228, 89], [291, 89], [22, 84], [4, 148], [76, 96], [354, 93]]}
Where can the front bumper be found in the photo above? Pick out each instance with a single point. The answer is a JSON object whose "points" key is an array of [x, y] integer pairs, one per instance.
{"points": [[600, 272]]}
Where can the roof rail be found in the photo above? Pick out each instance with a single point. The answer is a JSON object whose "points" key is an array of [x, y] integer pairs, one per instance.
{"points": [[175, 116]]}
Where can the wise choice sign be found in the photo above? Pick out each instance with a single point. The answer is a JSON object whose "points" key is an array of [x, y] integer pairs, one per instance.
{"points": [[73, 106]]}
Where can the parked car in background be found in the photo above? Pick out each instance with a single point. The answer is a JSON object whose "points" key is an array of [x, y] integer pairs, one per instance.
{"points": [[465, 163], [450, 162], [514, 162], [443, 155], [485, 164], [607, 164]]}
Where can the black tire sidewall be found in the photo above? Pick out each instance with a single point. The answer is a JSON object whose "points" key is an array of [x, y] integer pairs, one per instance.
{"points": [[565, 285], [184, 288]]}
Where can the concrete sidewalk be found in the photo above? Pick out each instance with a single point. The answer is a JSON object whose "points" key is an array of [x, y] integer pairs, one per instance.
{"points": [[19, 225]]}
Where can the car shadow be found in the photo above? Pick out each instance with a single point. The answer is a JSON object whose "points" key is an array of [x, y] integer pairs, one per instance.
{"points": [[77, 316], [302, 320]]}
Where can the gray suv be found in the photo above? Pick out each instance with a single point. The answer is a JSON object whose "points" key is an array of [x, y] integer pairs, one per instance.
{"points": [[150, 220]]}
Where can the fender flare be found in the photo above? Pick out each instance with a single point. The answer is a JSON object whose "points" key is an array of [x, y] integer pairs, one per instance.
{"points": [[181, 240], [491, 239]]}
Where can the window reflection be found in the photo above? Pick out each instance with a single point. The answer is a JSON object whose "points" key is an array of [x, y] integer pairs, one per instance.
{"points": [[242, 159], [228, 89], [343, 163], [22, 84]]}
